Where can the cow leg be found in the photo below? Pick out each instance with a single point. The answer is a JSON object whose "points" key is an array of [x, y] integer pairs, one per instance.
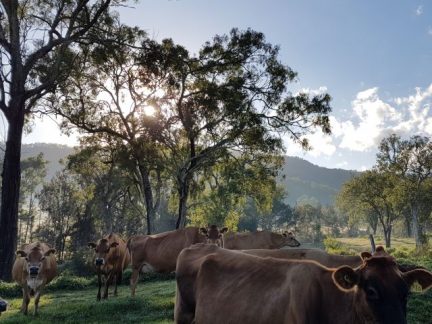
{"points": [[26, 299], [107, 282], [100, 286], [37, 297], [134, 280], [115, 283]]}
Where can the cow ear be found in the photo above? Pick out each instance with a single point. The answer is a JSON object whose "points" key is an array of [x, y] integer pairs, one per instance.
{"points": [[423, 277], [365, 255], [203, 231], [49, 252], [224, 230], [345, 278], [114, 244], [91, 244], [21, 253]]}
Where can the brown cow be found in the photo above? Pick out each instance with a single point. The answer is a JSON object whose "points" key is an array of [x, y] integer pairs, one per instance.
{"points": [[259, 240], [111, 258], [213, 234], [159, 252], [322, 257], [3, 305], [268, 277], [34, 267]]}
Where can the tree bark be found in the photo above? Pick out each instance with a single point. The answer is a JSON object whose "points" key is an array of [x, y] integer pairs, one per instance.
{"points": [[10, 192], [183, 191], [387, 236], [416, 227], [148, 197]]}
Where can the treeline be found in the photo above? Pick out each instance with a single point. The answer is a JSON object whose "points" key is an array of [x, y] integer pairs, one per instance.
{"points": [[396, 192]]}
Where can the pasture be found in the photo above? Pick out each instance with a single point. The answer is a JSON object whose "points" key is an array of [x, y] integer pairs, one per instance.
{"points": [[73, 300]]}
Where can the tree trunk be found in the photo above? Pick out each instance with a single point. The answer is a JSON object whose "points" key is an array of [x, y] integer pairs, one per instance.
{"points": [[10, 193], [148, 197], [183, 191], [387, 236], [416, 228]]}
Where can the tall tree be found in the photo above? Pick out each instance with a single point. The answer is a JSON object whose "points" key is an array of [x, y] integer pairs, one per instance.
{"points": [[33, 175], [231, 97], [411, 161], [36, 38], [372, 195]]}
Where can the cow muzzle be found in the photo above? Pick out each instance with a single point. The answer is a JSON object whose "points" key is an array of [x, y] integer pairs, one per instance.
{"points": [[99, 262], [34, 271]]}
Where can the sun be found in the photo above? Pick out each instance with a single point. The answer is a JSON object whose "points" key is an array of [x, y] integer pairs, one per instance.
{"points": [[149, 111]]}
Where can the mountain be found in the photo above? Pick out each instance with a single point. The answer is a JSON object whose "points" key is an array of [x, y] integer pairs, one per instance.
{"points": [[302, 179], [52, 153]]}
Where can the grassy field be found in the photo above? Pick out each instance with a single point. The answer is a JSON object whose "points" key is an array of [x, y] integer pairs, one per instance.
{"points": [[154, 302]]}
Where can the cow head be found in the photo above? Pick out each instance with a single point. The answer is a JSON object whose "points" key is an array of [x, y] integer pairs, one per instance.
{"points": [[213, 234], [3, 306], [102, 248], [380, 289], [35, 260], [290, 240]]}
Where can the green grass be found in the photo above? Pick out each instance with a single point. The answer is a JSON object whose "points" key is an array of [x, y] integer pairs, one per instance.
{"points": [[154, 303]]}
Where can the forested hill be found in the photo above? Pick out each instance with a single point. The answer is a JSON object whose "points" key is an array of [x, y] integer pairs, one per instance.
{"points": [[52, 153], [303, 179]]}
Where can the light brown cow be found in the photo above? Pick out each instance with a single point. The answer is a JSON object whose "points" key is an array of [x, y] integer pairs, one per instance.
{"points": [[213, 234], [111, 258], [3, 305], [259, 240], [34, 267], [322, 257], [159, 252], [263, 290]]}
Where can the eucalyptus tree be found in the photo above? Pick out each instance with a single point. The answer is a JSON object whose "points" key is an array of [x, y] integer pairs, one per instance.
{"points": [[411, 161], [371, 194], [34, 171], [230, 97], [36, 52]]}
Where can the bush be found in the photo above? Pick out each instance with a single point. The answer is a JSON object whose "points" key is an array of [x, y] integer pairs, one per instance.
{"points": [[9, 289], [333, 246]]}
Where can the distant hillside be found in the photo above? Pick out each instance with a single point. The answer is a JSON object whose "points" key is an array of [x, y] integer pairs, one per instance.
{"points": [[52, 153], [301, 178]]}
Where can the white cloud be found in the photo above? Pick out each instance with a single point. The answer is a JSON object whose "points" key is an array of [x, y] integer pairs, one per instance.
{"points": [[374, 119], [419, 11]]}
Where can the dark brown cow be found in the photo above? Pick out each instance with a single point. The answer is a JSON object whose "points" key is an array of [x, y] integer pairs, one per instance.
{"points": [[268, 290], [111, 258], [3, 305], [213, 234], [34, 267], [159, 252], [259, 240]]}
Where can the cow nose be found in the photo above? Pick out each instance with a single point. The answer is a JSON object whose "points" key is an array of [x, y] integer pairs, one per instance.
{"points": [[34, 271], [99, 262]]}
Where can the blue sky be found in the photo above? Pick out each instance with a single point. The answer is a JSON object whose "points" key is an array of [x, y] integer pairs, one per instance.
{"points": [[373, 57]]}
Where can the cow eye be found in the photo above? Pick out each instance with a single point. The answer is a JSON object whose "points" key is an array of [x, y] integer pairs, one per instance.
{"points": [[43, 258], [372, 293], [26, 258]]}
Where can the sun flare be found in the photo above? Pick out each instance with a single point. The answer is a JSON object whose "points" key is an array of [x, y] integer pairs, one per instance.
{"points": [[149, 111]]}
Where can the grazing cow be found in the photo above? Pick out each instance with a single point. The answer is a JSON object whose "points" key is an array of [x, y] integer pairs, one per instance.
{"points": [[213, 234], [111, 258], [34, 267], [268, 290], [3, 305], [159, 252], [259, 240]]}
